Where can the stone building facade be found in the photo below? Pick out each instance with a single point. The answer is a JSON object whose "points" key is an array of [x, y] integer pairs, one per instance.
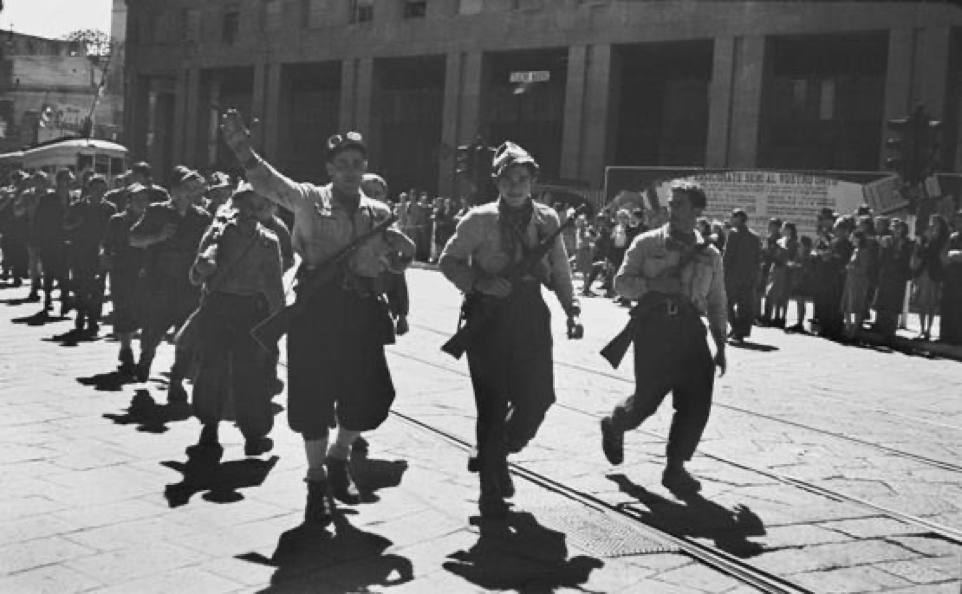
{"points": [[47, 88], [582, 83]]}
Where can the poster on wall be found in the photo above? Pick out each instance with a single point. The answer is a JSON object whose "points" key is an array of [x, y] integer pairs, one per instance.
{"points": [[789, 196]]}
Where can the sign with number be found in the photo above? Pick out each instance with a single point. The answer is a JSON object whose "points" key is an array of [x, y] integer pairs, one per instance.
{"points": [[532, 76]]}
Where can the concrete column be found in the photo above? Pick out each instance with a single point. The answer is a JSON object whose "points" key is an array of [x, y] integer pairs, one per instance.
{"points": [[734, 112], [209, 121], [180, 113], [931, 73], [748, 81], [348, 94], [151, 124], [918, 72], [364, 118], [571, 146], [191, 117], [597, 134], [460, 118], [587, 125], [259, 105], [720, 102]]}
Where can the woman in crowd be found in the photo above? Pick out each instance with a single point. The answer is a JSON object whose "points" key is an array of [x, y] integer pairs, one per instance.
{"points": [[778, 290], [928, 270], [617, 247], [856, 284], [802, 276], [951, 331], [895, 254]]}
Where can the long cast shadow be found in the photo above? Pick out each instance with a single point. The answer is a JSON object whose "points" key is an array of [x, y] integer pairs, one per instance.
{"points": [[346, 559], [753, 346], [520, 554], [220, 482], [149, 416], [41, 318], [698, 517]]}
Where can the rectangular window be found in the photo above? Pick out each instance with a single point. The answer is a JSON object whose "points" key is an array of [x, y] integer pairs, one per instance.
{"points": [[470, 6], [363, 11], [231, 27], [527, 5], [415, 9], [826, 104]]}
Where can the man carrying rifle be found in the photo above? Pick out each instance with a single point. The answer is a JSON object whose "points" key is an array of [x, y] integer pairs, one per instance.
{"points": [[509, 353], [335, 348], [678, 277]]}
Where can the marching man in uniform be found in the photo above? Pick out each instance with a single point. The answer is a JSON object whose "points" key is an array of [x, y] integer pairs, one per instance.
{"points": [[510, 354], [337, 369], [678, 277]]}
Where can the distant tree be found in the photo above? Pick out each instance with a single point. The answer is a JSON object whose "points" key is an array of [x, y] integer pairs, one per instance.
{"points": [[96, 42]]}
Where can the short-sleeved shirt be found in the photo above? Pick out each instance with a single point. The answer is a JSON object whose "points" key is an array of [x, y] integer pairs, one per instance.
{"points": [[93, 219], [172, 259], [324, 225]]}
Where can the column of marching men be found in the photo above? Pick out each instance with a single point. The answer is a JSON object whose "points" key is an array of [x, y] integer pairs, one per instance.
{"points": [[207, 261]]}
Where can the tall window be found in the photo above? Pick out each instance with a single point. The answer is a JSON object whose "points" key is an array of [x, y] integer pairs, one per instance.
{"points": [[231, 27], [415, 9], [470, 6], [363, 11]]}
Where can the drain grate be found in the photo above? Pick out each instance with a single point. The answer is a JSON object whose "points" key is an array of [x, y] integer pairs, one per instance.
{"points": [[597, 533]]}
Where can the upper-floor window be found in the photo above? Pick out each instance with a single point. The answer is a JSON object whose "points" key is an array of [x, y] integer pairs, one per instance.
{"points": [[470, 6], [231, 27], [415, 9], [527, 5], [362, 11]]}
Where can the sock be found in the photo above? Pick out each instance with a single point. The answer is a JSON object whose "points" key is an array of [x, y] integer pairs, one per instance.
{"points": [[341, 448], [316, 450]]}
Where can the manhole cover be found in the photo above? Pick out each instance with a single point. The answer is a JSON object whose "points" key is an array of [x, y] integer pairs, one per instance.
{"points": [[598, 533]]}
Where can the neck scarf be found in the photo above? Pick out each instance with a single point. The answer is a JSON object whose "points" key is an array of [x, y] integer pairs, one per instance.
{"points": [[514, 225]]}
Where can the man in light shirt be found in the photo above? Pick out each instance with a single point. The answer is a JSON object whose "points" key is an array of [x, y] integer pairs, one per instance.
{"points": [[678, 277]]}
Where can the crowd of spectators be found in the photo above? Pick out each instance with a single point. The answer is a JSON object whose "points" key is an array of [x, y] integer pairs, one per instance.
{"points": [[855, 272]]}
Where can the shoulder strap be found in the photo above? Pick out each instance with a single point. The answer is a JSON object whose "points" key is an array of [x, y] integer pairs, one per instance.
{"points": [[221, 277]]}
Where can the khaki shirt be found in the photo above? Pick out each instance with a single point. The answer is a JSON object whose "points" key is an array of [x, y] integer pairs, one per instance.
{"points": [[475, 250], [250, 268], [322, 225], [702, 279]]}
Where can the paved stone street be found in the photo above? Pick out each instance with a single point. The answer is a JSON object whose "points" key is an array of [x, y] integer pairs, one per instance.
{"points": [[98, 494]]}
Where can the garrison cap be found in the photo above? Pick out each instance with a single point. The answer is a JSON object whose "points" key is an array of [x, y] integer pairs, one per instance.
{"points": [[510, 154]]}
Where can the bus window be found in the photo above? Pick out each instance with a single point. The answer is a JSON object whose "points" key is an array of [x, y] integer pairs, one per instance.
{"points": [[116, 166], [85, 162], [102, 164]]}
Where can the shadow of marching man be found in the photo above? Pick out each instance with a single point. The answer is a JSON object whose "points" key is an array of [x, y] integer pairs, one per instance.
{"points": [[518, 553], [729, 529], [310, 559], [221, 483], [143, 411]]}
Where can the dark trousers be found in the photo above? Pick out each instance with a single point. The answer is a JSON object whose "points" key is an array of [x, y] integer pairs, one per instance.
{"points": [[126, 292], [741, 306], [88, 285], [232, 382], [512, 373], [671, 355], [337, 371], [168, 306], [828, 303], [53, 263], [15, 255]]}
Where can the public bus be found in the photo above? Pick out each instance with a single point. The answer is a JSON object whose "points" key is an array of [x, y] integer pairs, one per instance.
{"points": [[109, 159], [10, 162]]}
